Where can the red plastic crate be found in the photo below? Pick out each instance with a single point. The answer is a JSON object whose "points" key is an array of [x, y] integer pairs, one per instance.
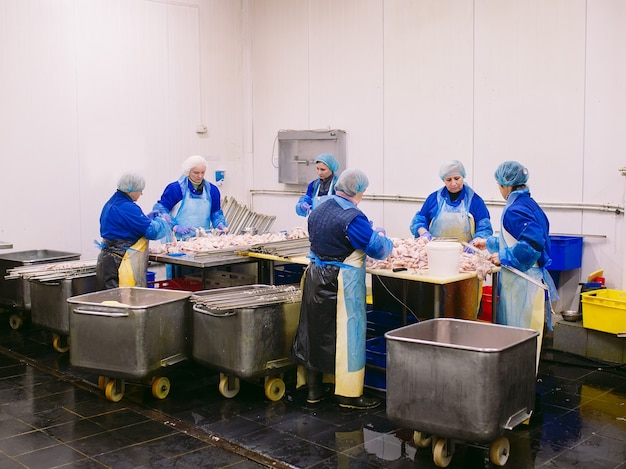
{"points": [[184, 284]]}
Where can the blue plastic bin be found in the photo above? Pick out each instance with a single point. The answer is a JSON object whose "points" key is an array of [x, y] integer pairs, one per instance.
{"points": [[566, 252], [379, 322], [288, 274], [376, 354]]}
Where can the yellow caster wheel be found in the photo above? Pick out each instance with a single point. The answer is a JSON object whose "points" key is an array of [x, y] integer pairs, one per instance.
{"points": [[499, 451], [226, 388], [102, 382], [112, 392], [441, 453], [160, 387], [274, 389], [60, 344], [421, 440], [15, 321]]}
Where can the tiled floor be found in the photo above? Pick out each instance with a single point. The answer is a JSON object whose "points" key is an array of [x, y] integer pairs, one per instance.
{"points": [[52, 415]]}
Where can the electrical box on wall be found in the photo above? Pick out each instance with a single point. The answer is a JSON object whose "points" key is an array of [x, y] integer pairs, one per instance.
{"points": [[297, 150]]}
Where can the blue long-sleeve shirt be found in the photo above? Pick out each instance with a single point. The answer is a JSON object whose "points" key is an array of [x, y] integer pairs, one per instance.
{"points": [[122, 219]]}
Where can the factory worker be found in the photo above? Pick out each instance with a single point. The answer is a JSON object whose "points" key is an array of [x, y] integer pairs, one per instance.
{"points": [[330, 338], [454, 211], [524, 244], [192, 202], [125, 231], [321, 188]]}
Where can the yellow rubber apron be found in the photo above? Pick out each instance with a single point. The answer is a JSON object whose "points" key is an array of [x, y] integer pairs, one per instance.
{"points": [[132, 270], [351, 327]]}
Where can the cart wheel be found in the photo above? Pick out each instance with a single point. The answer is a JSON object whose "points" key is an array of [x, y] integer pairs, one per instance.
{"points": [[102, 382], [421, 440], [499, 451], [16, 321], [441, 455], [160, 387], [224, 388], [274, 389], [60, 344], [112, 393]]}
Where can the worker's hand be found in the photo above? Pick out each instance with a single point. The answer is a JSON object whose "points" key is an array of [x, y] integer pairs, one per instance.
{"points": [[495, 259], [183, 230], [305, 207], [381, 231], [480, 243], [222, 227], [152, 215], [426, 234]]}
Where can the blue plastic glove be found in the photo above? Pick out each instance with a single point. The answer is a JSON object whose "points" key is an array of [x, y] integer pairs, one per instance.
{"points": [[380, 231], [222, 227], [306, 207], [183, 230], [426, 235], [152, 215]]}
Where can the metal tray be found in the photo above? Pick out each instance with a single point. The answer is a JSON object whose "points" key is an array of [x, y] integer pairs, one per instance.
{"points": [[16, 292], [129, 332], [460, 379], [246, 331]]}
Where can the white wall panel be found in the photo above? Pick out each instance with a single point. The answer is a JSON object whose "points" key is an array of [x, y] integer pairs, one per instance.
{"points": [[39, 179]]}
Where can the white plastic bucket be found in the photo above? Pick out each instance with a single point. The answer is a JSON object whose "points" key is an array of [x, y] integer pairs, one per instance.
{"points": [[443, 258]]}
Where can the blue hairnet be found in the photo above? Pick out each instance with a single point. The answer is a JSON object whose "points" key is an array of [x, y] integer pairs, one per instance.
{"points": [[511, 173], [352, 181], [329, 160], [451, 167], [192, 162], [131, 182]]}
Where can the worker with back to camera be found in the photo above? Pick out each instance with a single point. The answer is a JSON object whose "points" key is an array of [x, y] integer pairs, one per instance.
{"points": [[453, 211], [125, 231], [330, 338], [192, 202], [321, 188], [523, 243]]}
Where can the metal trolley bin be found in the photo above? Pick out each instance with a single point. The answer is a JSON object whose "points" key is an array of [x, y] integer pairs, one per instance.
{"points": [[49, 304], [246, 332], [15, 292], [129, 333], [451, 379]]}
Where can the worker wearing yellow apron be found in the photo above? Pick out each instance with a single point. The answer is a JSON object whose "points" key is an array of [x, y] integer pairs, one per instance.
{"points": [[125, 232], [330, 338]]}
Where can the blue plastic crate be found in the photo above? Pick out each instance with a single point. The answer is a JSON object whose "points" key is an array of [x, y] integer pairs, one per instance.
{"points": [[379, 322], [287, 274], [566, 252], [376, 355]]}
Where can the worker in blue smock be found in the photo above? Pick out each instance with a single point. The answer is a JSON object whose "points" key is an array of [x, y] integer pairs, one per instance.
{"points": [[454, 211], [330, 338], [125, 231], [523, 243], [320, 189], [192, 202]]}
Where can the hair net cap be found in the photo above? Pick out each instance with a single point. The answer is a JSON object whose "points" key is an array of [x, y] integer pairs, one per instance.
{"points": [[192, 162], [352, 181], [511, 173], [451, 167], [329, 160], [131, 182]]}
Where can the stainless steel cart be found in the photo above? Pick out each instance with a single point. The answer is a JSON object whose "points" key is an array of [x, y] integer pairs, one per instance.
{"points": [[129, 333], [246, 332], [14, 290], [456, 380]]}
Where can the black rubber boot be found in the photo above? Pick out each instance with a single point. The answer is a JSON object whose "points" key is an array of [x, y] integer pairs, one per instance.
{"points": [[357, 402], [315, 387]]}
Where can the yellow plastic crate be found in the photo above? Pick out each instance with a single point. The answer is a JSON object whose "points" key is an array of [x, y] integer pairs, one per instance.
{"points": [[604, 310]]}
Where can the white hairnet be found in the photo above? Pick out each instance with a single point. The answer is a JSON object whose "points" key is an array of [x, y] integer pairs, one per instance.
{"points": [[352, 181], [192, 162], [131, 182], [451, 167]]}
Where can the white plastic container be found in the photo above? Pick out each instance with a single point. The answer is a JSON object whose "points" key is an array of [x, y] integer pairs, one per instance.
{"points": [[443, 258]]}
